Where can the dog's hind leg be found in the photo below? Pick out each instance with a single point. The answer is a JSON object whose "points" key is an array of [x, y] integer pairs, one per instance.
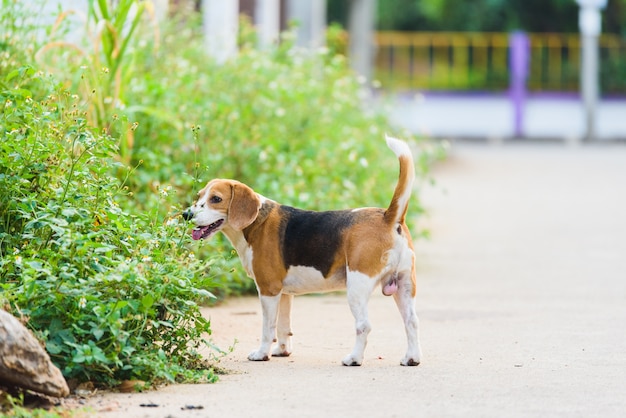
{"points": [[283, 349], [269, 305], [405, 300], [359, 289]]}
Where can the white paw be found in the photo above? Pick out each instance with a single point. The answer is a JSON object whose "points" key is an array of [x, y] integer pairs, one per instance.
{"points": [[258, 355], [281, 350], [411, 360], [352, 360]]}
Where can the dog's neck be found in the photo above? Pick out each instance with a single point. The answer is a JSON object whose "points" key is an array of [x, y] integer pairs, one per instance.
{"points": [[266, 207]]}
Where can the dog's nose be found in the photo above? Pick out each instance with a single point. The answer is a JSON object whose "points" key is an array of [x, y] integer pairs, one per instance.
{"points": [[187, 215]]}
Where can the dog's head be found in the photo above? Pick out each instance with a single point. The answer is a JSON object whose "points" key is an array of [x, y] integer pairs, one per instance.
{"points": [[222, 203]]}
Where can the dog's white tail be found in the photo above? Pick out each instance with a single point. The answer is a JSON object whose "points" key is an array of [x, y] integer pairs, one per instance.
{"points": [[396, 212]]}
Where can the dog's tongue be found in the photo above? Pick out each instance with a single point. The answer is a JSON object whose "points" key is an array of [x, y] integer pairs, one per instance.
{"points": [[196, 233], [390, 288]]}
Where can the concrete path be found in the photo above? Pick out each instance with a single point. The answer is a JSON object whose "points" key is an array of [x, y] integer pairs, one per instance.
{"points": [[522, 302]]}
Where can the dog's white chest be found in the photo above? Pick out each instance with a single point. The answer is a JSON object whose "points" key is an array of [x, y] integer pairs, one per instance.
{"points": [[244, 250]]}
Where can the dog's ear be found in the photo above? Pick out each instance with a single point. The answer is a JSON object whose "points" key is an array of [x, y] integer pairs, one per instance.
{"points": [[244, 206]]}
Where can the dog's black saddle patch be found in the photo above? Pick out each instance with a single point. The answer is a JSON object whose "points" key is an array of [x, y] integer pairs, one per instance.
{"points": [[311, 238]]}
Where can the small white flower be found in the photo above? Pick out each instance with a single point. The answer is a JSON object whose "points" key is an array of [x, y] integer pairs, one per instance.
{"points": [[18, 260], [165, 191], [82, 303]]}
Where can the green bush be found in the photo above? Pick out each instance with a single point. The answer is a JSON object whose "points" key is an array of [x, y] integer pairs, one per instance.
{"points": [[113, 294]]}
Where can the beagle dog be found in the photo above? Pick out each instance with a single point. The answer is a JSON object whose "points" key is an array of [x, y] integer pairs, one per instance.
{"points": [[289, 251]]}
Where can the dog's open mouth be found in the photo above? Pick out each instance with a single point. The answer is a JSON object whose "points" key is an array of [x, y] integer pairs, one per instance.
{"points": [[201, 232]]}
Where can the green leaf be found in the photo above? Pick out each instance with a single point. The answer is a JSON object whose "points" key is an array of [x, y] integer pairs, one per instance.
{"points": [[98, 355], [79, 357], [12, 75], [104, 8], [69, 212], [53, 347], [147, 301], [22, 92], [204, 293], [59, 222], [35, 265], [97, 333]]}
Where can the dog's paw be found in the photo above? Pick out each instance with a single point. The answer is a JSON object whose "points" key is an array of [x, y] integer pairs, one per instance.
{"points": [[258, 356], [352, 360], [410, 361], [281, 351]]}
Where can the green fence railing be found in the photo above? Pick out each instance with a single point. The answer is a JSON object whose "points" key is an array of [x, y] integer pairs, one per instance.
{"points": [[480, 61]]}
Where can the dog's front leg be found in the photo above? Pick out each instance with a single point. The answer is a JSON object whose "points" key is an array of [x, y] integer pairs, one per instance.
{"points": [[283, 349], [269, 306]]}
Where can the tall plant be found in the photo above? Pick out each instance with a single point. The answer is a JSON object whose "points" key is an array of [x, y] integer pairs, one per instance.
{"points": [[106, 61], [112, 28]]}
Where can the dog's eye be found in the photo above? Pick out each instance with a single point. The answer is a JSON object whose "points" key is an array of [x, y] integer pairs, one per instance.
{"points": [[215, 199]]}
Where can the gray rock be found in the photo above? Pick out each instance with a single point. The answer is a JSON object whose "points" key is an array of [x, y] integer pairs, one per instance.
{"points": [[24, 363]]}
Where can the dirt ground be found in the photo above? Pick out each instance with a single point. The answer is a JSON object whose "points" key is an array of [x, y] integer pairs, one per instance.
{"points": [[522, 303]]}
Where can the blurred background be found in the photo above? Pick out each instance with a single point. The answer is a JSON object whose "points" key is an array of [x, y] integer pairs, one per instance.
{"points": [[493, 69], [500, 69]]}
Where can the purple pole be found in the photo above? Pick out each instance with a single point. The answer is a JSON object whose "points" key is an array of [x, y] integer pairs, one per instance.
{"points": [[519, 60]]}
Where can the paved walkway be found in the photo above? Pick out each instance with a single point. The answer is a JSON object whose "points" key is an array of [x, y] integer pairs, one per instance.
{"points": [[522, 302], [525, 281]]}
